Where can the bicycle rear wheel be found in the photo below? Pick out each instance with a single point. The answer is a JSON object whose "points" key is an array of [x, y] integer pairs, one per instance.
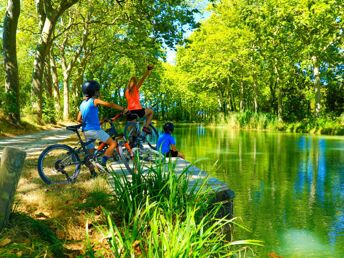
{"points": [[59, 164], [131, 134], [152, 139]]}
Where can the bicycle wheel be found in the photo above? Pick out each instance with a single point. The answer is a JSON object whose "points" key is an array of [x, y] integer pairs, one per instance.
{"points": [[59, 164], [131, 134], [152, 139]]}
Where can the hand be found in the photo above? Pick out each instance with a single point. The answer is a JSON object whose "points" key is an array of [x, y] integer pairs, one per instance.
{"points": [[150, 67]]}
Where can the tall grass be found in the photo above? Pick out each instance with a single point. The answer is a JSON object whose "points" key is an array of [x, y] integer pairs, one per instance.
{"points": [[163, 217], [261, 121]]}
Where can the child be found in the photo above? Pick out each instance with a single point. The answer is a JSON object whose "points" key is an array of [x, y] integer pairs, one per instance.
{"points": [[132, 94], [167, 143], [89, 117]]}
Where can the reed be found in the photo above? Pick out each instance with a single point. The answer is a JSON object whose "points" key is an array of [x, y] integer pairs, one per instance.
{"points": [[163, 217]]}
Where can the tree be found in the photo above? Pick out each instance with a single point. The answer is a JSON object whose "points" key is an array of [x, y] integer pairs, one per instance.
{"points": [[12, 105], [48, 16]]}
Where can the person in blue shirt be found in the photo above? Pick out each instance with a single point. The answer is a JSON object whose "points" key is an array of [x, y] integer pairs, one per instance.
{"points": [[88, 116], [166, 142]]}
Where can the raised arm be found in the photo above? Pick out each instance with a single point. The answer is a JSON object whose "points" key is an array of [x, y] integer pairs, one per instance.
{"points": [[145, 75]]}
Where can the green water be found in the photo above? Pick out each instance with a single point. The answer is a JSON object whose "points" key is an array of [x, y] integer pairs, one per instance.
{"points": [[289, 187]]}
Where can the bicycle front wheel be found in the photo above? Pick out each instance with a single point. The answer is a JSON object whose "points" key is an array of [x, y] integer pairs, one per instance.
{"points": [[152, 139], [59, 164]]}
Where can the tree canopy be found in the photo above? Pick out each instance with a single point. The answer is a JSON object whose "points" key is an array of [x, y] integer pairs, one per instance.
{"points": [[278, 57]]}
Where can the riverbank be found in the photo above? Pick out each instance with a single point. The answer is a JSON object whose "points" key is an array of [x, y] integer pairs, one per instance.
{"points": [[87, 220], [261, 121]]}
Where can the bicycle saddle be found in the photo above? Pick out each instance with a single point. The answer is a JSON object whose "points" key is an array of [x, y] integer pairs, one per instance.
{"points": [[73, 128]]}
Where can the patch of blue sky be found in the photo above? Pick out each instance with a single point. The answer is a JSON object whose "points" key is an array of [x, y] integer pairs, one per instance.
{"points": [[199, 17]]}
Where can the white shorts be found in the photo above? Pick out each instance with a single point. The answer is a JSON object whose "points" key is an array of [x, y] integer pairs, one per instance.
{"points": [[95, 135]]}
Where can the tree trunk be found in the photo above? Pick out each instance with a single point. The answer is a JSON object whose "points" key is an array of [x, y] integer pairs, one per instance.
{"points": [[67, 67], [279, 93], [12, 105], [56, 90], [255, 95], [12, 162], [48, 78], [48, 17], [241, 96], [317, 92], [65, 96], [38, 67]]}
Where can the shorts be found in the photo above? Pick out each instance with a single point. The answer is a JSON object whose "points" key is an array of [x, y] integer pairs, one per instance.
{"points": [[95, 135], [172, 153], [134, 113]]}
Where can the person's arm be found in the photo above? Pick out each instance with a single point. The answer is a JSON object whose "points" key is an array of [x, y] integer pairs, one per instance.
{"points": [[99, 102], [145, 75], [79, 118], [173, 147], [173, 144]]}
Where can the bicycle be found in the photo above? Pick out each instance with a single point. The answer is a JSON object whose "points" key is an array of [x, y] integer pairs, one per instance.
{"points": [[136, 137], [65, 167], [137, 140]]}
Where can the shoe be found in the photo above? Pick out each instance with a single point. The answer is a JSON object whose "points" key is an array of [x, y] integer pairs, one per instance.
{"points": [[147, 130]]}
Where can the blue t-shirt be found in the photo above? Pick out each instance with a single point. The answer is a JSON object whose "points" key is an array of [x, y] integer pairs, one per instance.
{"points": [[164, 142], [89, 112]]}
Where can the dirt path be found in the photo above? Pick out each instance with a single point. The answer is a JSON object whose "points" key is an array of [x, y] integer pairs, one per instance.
{"points": [[33, 144]]}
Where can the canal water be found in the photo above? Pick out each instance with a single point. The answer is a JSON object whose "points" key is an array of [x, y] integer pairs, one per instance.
{"points": [[289, 187]]}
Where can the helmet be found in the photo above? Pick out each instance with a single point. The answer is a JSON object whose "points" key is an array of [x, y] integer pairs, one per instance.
{"points": [[168, 127], [89, 88]]}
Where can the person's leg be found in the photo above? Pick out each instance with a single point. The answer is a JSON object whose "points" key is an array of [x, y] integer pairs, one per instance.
{"points": [[149, 116], [112, 145], [104, 137], [181, 155]]}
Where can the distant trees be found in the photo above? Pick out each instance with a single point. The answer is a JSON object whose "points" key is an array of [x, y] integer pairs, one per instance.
{"points": [[281, 57]]}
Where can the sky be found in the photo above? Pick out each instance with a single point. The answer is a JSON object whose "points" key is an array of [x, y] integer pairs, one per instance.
{"points": [[171, 53]]}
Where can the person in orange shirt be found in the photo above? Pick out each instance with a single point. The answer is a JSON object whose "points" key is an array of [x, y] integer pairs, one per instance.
{"points": [[132, 94]]}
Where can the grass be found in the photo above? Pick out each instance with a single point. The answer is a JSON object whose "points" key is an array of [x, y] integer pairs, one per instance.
{"points": [[27, 126], [261, 121], [49, 221], [162, 217]]}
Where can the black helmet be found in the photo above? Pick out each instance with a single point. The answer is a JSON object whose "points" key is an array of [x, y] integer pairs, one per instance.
{"points": [[168, 127], [89, 88]]}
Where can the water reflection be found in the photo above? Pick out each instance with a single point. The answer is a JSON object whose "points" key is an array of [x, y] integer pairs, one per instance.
{"points": [[286, 185]]}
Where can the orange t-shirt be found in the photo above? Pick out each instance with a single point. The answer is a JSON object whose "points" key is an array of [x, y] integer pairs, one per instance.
{"points": [[133, 99]]}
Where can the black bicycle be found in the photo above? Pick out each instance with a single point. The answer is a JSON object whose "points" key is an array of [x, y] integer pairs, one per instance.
{"points": [[61, 164]]}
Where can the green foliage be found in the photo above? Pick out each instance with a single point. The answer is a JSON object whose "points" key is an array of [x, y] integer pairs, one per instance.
{"points": [[163, 218], [260, 57], [49, 116]]}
